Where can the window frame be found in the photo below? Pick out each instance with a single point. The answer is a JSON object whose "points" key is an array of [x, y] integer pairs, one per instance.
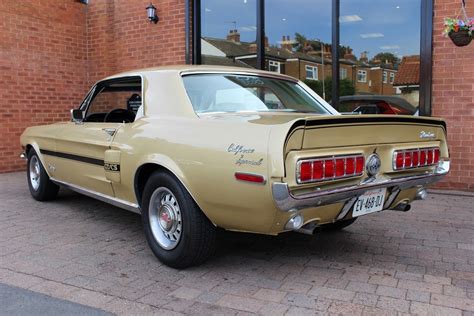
{"points": [[274, 63], [96, 89], [314, 70], [392, 77], [342, 70], [360, 71]]}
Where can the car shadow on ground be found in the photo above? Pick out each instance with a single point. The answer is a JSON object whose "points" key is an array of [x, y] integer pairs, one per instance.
{"points": [[323, 245]]}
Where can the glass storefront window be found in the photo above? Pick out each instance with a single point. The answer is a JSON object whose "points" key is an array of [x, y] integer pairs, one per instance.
{"points": [[380, 45], [229, 33], [298, 38]]}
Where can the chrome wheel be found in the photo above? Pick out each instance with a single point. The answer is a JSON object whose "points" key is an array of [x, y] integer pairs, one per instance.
{"points": [[34, 172], [165, 218]]}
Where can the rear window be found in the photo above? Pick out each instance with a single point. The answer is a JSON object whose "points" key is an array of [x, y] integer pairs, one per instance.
{"points": [[243, 93]]}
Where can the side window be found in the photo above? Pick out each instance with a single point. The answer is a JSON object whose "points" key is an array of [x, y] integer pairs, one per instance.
{"points": [[115, 101]]}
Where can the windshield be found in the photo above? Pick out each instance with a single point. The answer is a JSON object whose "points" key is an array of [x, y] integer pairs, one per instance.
{"points": [[238, 93]]}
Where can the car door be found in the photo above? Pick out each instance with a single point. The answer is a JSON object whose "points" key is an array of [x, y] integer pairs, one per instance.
{"points": [[82, 145]]}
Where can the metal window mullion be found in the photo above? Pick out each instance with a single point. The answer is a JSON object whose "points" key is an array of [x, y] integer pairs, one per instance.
{"points": [[261, 34]]}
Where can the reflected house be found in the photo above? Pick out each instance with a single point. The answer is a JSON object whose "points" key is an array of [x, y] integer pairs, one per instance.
{"points": [[368, 77], [374, 77], [407, 80]]}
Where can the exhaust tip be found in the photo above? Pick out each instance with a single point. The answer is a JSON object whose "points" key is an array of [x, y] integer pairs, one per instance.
{"points": [[421, 194], [402, 207], [295, 222]]}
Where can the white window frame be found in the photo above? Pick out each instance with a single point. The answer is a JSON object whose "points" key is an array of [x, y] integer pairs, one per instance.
{"points": [[385, 76], [273, 63], [392, 77], [342, 73], [314, 70], [364, 74]]}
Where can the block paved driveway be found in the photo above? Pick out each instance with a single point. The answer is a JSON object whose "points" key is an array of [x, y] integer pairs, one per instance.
{"points": [[87, 252]]}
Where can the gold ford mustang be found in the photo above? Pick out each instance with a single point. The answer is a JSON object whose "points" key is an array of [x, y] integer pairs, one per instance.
{"points": [[194, 148]]}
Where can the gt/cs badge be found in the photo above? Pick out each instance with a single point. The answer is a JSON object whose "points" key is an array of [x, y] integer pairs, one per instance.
{"points": [[111, 166], [373, 165]]}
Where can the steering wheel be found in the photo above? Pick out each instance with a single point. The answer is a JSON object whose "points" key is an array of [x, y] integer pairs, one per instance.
{"points": [[119, 116]]}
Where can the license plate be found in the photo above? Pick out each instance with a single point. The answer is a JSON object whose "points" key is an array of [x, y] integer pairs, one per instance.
{"points": [[372, 201]]}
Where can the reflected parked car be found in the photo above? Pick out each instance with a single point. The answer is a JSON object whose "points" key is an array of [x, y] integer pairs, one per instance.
{"points": [[376, 104]]}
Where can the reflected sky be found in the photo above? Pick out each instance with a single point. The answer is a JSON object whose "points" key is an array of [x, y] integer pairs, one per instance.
{"points": [[366, 25]]}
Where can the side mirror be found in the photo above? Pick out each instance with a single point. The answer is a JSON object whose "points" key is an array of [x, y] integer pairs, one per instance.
{"points": [[77, 115]]}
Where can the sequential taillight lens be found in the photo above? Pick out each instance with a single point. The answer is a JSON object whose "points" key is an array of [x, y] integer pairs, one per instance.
{"points": [[416, 158], [329, 168]]}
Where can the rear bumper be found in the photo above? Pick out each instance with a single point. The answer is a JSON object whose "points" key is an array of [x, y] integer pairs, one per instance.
{"points": [[287, 202]]}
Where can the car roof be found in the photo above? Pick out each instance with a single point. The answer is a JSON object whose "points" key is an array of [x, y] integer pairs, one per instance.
{"points": [[189, 69]]}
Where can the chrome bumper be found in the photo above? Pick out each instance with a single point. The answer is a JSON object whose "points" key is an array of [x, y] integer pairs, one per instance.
{"points": [[287, 202]]}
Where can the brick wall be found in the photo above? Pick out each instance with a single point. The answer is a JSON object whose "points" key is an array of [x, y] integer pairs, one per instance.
{"points": [[51, 51], [453, 96], [121, 38], [42, 67]]}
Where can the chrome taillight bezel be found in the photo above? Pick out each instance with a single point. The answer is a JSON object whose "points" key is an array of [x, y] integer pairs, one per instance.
{"points": [[333, 158], [418, 150]]}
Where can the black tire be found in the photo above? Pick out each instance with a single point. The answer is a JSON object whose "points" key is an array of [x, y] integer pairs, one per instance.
{"points": [[197, 237], [43, 189], [338, 225]]}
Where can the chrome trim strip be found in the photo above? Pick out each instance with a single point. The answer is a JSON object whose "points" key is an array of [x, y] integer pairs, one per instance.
{"points": [[99, 196], [286, 201], [258, 73]]}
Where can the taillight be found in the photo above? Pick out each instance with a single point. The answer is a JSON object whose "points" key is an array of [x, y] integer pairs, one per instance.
{"points": [[415, 158], [329, 168]]}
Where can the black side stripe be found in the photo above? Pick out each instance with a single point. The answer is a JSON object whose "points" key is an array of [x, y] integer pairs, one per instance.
{"points": [[93, 161]]}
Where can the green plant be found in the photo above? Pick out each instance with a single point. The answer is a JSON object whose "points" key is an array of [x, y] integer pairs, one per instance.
{"points": [[346, 87], [456, 25]]}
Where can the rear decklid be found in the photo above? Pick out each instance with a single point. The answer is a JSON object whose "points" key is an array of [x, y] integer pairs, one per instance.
{"points": [[384, 135], [351, 130]]}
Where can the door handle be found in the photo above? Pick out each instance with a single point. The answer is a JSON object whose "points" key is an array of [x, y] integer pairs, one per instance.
{"points": [[110, 131]]}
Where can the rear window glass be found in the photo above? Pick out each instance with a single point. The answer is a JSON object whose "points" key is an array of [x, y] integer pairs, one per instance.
{"points": [[243, 93]]}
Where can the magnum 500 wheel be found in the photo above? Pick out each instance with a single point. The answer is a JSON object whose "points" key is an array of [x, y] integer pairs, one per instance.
{"points": [[41, 187], [177, 231]]}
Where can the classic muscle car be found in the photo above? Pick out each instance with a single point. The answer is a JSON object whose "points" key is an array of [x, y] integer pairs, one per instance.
{"points": [[196, 148]]}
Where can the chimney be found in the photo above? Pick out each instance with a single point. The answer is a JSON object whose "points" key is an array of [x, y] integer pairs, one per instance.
{"points": [[363, 57], [286, 43], [267, 44], [253, 48], [349, 55], [327, 51], [233, 36]]}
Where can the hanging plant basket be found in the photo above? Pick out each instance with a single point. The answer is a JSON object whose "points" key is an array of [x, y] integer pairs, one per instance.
{"points": [[461, 28], [460, 38]]}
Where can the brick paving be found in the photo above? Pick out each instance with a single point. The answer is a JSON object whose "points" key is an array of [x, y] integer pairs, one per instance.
{"points": [[87, 252]]}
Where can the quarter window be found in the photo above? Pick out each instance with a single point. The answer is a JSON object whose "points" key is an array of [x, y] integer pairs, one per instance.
{"points": [[312, 72]]}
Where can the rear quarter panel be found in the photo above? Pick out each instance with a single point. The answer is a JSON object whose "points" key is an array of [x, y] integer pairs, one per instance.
{"points": [[204, 155]]}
